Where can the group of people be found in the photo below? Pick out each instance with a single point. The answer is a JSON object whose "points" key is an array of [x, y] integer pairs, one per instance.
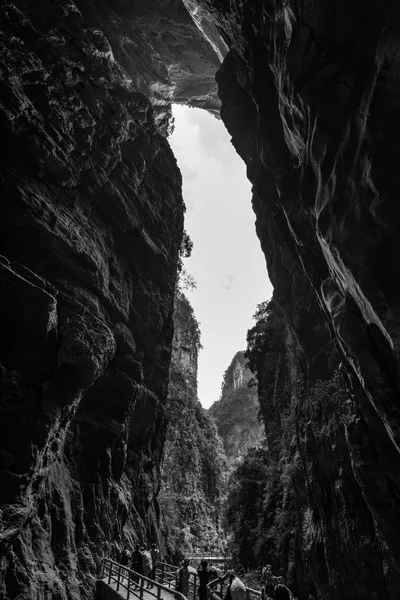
{"points": [[205, 575], [142, 561], [273, 587]]}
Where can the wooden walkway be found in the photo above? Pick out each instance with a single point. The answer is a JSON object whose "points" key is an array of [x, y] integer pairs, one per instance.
{"points": [[135, 593], [118, 581]]}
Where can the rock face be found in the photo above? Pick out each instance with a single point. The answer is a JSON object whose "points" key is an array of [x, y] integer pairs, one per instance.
{"points": [[90, 227], [194, 466], [163, 52], [236, 412], [310, 95]]}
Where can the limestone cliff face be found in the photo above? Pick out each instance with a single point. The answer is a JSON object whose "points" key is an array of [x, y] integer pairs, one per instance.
{"points": [[164, 53], [194, 466], [236, 412], [310, 94], [90, 227]]}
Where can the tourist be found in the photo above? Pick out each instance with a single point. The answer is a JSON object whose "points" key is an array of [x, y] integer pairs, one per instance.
{"points": [[203, 575], [147, 565], [155, 555], [126, 556], [136, 564], [228, 595], [267, 590], [182, 578]]}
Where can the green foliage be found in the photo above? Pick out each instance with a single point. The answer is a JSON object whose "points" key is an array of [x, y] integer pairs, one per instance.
{"points": [[266, 335], [185, 322], [186, 281], [194, 464], [270, 514], [261, 510], [194, 473], [170, 126], [240, 406]]}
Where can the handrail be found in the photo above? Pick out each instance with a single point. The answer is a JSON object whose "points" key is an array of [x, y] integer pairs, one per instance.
{"points": [[129, 580], [221, 580], [169, 572], [133, 582]]}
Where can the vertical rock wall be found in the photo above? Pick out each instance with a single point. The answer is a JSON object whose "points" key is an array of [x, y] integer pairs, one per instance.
{"points": [[310, 96], [90, 227], [194, 466]]}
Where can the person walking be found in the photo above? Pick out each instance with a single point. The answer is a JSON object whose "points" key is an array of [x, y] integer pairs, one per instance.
{"points": [[182, 578], [268, 587], [155, 555], [204, 576], [125, 556], [147, 564], [136, 564]]}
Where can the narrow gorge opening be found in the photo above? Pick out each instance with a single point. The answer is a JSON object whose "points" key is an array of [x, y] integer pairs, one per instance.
{"points": [[226, 262], [211, 320]]}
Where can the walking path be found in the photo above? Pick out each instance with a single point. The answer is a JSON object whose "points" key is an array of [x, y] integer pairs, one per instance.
{"points": [[118, 581]]}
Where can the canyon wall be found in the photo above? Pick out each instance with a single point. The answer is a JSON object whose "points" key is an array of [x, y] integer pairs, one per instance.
{"points": [[90, 229], [236, 412], [194, 467], [310, 96]]}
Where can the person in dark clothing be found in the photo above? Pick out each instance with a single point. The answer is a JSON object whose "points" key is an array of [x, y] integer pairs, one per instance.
{"points": [[182, 578], [203, 575], [267, 590], [136, 564], [228, 595], [126, 556], [155, 555]]}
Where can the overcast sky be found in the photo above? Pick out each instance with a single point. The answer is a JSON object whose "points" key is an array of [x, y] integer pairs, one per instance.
{"points": [[226, 262]]}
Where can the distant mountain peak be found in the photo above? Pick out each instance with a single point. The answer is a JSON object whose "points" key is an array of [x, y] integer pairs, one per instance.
{"points": [[236, 412]]}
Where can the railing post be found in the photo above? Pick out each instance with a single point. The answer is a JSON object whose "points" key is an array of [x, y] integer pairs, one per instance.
{"points": [[195, 586], [162, 573], [158, 592], [141, 588], [109, 573], [128, 592], [119, 577]]}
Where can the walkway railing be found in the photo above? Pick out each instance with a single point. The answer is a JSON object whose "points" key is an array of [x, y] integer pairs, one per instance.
{"points": [[217, 588], [133, 585]]}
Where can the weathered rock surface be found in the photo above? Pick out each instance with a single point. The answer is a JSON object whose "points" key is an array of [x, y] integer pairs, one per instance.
{"points": [[236, 412], [310, 94], [164, 53], [90, 228], [194, 466]]}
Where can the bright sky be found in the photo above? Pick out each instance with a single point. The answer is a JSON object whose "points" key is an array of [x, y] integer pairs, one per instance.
{"points": [[227, 262]]}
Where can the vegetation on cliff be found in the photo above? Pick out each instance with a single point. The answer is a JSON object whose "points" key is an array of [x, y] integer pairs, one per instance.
{"points": [[296, 503], [194, 465], [236, 412]]}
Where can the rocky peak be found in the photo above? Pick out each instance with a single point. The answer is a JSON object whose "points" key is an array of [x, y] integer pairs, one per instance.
{"points": [[236, 376], [236, 412]]}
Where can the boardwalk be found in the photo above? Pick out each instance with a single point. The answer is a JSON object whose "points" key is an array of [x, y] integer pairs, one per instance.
{"points": [[146, 594], [119, 581]]}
